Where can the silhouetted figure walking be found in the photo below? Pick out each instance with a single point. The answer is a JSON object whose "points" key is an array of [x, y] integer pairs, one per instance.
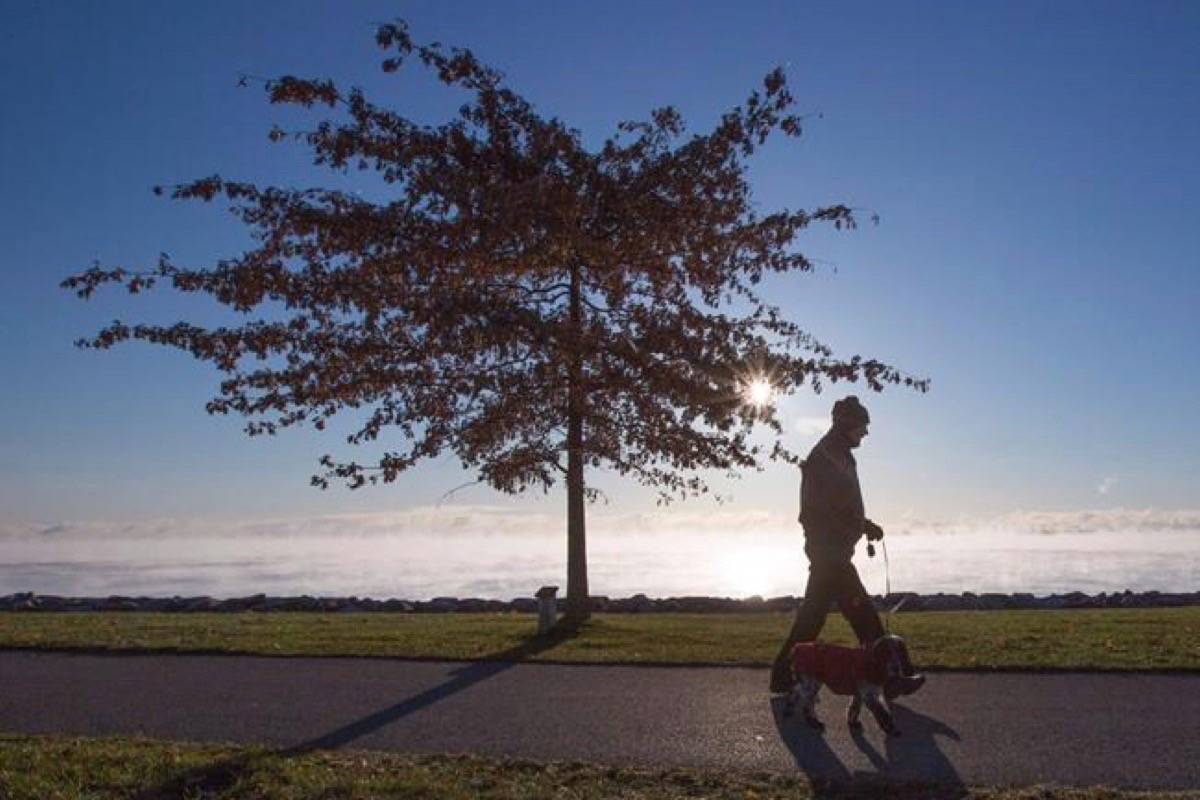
{"points": [[831, 511]]}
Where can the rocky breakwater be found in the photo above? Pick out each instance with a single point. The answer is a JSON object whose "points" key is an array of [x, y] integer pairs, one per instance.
{"points": [[638, 604]]}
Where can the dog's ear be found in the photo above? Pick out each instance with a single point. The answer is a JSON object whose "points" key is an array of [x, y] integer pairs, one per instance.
{"points": [[887, 655]]}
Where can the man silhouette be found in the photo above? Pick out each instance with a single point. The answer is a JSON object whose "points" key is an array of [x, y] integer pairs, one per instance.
{"points": [[831, 511]]}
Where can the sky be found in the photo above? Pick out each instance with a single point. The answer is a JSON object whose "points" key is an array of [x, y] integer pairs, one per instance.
{"points": [[1034, 167]]}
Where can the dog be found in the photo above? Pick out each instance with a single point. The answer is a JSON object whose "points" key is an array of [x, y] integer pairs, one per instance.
{"points": [[865, 672]]}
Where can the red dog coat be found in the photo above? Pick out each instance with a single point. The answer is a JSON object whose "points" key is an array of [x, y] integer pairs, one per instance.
{"points": [[842, 669]]}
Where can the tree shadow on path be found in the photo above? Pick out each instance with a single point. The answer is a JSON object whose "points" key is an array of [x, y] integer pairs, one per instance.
{"points": [[912, 764], [218, 776], [464, 677]]}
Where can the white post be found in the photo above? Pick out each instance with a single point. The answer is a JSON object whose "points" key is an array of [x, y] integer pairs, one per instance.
{"points": [[547, 608]]}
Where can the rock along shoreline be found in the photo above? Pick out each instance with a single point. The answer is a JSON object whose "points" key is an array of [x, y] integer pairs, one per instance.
{"points": [[638, 604]]}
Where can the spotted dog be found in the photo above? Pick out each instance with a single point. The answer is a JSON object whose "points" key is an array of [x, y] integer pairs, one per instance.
{"points": [[863, 673]]}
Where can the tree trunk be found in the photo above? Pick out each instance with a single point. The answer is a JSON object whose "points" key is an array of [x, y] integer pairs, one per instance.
{"points": [[577, 579]]}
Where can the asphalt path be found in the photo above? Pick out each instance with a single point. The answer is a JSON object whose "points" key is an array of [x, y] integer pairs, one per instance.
{"points": [[1121, 730]]}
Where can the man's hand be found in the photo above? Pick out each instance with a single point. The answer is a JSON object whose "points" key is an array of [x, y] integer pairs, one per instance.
{"points": [[874, 532]]}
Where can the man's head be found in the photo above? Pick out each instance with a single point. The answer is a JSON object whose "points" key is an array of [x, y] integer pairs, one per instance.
{"points": [[850, 418]]}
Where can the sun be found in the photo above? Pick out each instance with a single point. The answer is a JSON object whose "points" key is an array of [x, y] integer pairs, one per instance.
{"points": [[759, 392], [747, 571]]}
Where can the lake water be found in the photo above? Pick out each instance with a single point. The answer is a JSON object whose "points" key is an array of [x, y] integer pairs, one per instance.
{"points": [[340, 558]]}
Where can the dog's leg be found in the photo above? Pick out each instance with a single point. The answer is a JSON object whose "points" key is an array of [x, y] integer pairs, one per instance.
{"points": [[853, 710], [810, 688], [789, 702], [870, 696], [798, 695]]}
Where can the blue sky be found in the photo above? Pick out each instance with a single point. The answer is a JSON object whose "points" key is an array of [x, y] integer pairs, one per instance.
{"points": [[1034, 165]]}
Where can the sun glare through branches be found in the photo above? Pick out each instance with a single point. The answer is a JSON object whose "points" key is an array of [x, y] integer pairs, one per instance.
{"points": [[759, 393]]}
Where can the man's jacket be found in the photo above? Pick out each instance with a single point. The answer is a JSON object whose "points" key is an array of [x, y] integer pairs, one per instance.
{"points": [[831, 505]]}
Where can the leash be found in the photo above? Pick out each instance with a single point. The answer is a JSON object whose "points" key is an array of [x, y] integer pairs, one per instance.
{"points": [[887, 581]]}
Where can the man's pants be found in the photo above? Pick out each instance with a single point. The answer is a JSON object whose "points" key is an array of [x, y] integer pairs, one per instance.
{"points": [[827, 581]]}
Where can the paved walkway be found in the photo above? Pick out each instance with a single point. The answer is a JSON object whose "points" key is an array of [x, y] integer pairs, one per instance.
{"points": [[1133, 730]]}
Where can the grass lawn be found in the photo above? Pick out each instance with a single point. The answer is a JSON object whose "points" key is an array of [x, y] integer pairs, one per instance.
{"points": [[1106, 639], [64, 768]]}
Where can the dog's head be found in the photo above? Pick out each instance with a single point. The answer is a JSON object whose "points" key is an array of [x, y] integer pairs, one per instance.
{"points": [[886, 658]]}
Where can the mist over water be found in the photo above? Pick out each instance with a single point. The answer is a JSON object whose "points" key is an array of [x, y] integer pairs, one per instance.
{"points": [[396, 561]]}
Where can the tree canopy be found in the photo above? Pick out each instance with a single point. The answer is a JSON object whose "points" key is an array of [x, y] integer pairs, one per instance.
{"points": [[523, 302]]}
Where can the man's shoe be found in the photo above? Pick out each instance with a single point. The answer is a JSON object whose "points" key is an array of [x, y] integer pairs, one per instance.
{"points": [[781, 678], [780, 684], [902, 685]]}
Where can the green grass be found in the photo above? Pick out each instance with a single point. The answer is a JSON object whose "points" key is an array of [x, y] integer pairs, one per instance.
{"points": [[64, 768], [1116, 639]]}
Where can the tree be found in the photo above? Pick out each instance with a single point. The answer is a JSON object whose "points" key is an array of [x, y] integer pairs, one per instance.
{"points": [[520, 299]]}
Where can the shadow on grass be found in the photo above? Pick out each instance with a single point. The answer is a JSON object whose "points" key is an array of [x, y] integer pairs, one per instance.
{"points": [[912, 766], [224, 774]]}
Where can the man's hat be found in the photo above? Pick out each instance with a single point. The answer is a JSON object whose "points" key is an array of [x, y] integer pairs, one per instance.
{"points": [[849, 412]]}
